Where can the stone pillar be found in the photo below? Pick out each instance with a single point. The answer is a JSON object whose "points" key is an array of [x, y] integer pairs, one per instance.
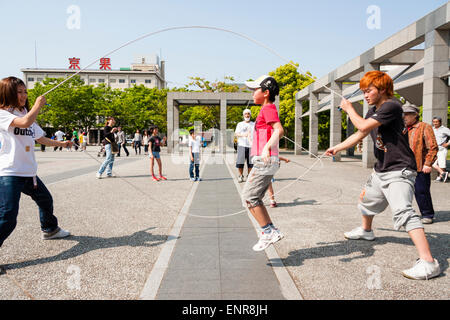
{"points": [[350, 152], [298, 127], [435, 90], [351, 128], [170, 126], [223, 126], [176, 126], [313, 124], [335, 117], [368, 157]]}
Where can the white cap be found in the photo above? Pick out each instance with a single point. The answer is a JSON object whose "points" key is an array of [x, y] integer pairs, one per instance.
{"points": [[257, 83], [247, 111]]}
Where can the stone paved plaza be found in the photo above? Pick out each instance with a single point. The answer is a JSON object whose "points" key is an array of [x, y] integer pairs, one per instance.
{"points": [[133, 238]]}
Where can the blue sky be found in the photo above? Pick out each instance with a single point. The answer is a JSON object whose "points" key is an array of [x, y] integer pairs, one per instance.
{"points": [[320, 35]]}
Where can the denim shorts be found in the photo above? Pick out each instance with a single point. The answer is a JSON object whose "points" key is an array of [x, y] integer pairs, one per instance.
{"points": [[155, 155]]}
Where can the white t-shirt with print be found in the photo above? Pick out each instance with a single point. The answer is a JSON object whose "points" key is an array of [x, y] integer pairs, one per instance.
{"points": [[195, 144], [17, 146]]}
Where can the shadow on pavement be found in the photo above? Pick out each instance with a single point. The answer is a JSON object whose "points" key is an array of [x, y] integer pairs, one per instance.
{"points": [[441, 216], [87, 244], [296, 202], [438, 244]]}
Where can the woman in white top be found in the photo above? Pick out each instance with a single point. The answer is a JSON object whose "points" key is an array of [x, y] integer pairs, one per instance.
{"points": [[137, 142], [18, 167], [145, 141]]}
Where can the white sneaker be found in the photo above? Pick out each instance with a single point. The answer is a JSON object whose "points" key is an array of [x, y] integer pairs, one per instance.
{"points": [[359, 233], [57, 234], [241, 179], [439, 178], [266, 239], [423, 270], [98, 175]]}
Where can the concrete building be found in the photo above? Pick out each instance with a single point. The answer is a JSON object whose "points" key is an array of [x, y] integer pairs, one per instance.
{"points": [[222, 99], [420, 76], [150, 73]]}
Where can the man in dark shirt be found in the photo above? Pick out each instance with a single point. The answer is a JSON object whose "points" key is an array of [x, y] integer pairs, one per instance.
{"points": [[392, 182], [109, 138]]}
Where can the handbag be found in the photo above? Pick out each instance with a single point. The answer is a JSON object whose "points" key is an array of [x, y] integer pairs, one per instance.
{"points": [[114, 146]]}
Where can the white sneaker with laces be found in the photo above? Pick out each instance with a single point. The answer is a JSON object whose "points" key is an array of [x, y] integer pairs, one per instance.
{"points": [[359, 233], [57, 234], [423, 270], [98, 175], [266, 239], [241, 179]]}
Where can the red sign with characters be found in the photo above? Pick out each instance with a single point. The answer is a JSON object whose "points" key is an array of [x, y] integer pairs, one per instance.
{"points": [[105, 64], [74, 63]]}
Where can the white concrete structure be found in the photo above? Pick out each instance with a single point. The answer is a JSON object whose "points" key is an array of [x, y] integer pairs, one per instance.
{"points": [[149, 75], [222, 99], [420, 76]]}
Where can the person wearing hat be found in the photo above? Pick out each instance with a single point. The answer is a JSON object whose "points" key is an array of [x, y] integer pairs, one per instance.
{"points": [[423, 143], [243, 134], [442, 135], [264, 153]]}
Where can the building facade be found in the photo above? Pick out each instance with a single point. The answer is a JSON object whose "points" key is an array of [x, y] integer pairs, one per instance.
{"points": [[150, 74]]}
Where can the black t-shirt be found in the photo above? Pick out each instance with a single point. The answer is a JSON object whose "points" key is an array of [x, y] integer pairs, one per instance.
{"points": [[156, 143], [391, 142], [109, 135]]}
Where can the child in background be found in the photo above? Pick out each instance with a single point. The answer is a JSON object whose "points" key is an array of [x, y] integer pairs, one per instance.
{"points": [[155, 146], [194, 154]]}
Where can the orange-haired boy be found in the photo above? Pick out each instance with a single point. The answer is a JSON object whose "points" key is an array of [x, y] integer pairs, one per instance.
{"points": [[392, 182]]}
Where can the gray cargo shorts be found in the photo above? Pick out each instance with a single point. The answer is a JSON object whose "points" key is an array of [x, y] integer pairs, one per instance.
{"points": [[258, 181], [396, 189]]}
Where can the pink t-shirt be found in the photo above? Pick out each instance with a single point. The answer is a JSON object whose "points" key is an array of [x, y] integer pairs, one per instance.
{"points": [[263, 129]]}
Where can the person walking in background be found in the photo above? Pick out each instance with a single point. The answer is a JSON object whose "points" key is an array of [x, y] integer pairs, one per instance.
{"points": [[75, 140], [424, 145], [83, 141], [121, 141], [145, 141], [109, 139], [442, 135], [243, 133], [137, 142], [155, 145], [59, 135], [194, 155]]}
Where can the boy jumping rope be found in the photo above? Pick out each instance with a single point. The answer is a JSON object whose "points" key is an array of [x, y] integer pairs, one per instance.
{"points": [[266, 136], [392, 182]]}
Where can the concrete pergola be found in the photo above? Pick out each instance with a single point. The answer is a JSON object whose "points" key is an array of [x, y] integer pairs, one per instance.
{"points": [[421, 76], [222, 99]]}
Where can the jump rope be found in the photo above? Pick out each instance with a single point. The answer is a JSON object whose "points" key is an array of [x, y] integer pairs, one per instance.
{"points": [[260, 44]]}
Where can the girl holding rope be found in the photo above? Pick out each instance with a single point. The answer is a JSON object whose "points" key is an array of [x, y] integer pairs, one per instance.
{"points": [[18, 167]]}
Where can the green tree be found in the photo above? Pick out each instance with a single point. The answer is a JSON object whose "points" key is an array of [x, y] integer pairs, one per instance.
{"points": [[72, 105], [209, 115], [290, 82]]}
